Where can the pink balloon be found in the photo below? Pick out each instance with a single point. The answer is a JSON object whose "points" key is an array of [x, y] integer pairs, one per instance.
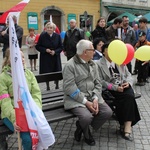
{"points": [[130, 54]]}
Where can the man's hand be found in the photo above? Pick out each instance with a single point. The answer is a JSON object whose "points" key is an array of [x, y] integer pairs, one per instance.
{"points": [[89, 105], [93, 106], [125, 85], [96, 106], [120, 89], [3, 33]]}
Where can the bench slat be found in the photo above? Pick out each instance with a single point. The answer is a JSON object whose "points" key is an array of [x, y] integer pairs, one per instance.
{"points": [[53, 106], [52, 91], [46, 96], [58, 115], [59, 98]]}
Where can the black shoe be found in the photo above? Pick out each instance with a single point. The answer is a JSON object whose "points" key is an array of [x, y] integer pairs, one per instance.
{"points": [[78, 132], [90, 141], [128, 136]]}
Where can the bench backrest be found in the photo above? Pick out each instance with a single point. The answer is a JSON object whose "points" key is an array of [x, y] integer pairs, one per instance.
{"points": [[49, 77]]}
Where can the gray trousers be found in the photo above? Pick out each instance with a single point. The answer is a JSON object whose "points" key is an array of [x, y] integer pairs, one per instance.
{"points": [[96, 121]]}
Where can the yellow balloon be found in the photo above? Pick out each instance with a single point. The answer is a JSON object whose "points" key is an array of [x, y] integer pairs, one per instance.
{"points": [[117, 51], [143, 53]]}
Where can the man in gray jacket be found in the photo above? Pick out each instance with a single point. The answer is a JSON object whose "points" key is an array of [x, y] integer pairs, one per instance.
{"points": [[82, 92]]}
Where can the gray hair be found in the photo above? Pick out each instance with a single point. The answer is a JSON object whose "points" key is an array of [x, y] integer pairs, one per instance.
{"points": [[51, 24], [82, 45], [72, 20]]}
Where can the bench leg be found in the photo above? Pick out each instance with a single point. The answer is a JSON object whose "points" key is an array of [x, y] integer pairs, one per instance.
{"points": [[3, 142]]}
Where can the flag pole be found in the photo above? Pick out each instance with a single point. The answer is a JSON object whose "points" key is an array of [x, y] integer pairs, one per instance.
{"points": [[19, 141]]}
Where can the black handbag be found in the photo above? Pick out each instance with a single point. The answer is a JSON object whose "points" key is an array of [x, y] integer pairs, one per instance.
{"points": [[107, 95]]}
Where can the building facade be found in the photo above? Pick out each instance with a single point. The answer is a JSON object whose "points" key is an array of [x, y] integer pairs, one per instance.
{"points": [[86, 13], [112, 8]]}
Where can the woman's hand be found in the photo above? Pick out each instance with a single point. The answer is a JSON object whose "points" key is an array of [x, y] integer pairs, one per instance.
{"points": [[120, 89], [48, 50], [17, 128], [52, 52], [125, 85]]}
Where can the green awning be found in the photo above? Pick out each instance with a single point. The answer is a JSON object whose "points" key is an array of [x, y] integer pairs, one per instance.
{"points": [[131, 18], [147, 16], [126, 9]]}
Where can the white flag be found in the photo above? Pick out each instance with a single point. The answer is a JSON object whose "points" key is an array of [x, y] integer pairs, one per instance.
{"points": [[40, 131]]}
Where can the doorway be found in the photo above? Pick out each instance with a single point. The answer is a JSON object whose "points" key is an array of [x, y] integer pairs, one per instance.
{"points": [[56, 17]]}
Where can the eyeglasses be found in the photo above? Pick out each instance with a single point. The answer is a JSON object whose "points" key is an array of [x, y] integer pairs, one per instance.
{"points": [[91, 50]]}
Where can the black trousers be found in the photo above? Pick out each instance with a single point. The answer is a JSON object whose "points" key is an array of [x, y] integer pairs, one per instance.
{"points": [[142, 71], [126, 107]]}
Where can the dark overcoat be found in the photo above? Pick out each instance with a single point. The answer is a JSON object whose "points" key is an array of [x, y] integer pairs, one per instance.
{"points": [[49, 63]]}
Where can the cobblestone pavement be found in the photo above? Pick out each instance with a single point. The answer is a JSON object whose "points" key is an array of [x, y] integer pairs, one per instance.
{"points": [[106, 137]]}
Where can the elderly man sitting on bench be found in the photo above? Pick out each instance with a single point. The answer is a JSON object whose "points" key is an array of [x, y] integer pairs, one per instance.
{"points": [[82, 92]]}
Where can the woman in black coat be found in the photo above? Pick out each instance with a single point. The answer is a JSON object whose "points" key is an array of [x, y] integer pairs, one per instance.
{"points": [[99, 31], [118, 81], [50, 46]]}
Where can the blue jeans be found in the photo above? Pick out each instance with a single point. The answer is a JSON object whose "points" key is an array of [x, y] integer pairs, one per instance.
{"points": [[25, 136]]}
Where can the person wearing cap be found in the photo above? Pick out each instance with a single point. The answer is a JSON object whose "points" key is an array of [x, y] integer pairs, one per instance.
{"points": [[118, 81], [142, 27], [142, 66]]}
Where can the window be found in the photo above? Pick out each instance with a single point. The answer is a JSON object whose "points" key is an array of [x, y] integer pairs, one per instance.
{"points": [[86, 23]]}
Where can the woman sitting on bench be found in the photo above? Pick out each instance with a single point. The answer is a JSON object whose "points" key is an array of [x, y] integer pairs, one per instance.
{"points": [[118, 81], [6, 98]]}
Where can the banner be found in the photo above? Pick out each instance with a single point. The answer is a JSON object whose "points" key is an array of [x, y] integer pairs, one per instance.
{"points": [[40, 131]]}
